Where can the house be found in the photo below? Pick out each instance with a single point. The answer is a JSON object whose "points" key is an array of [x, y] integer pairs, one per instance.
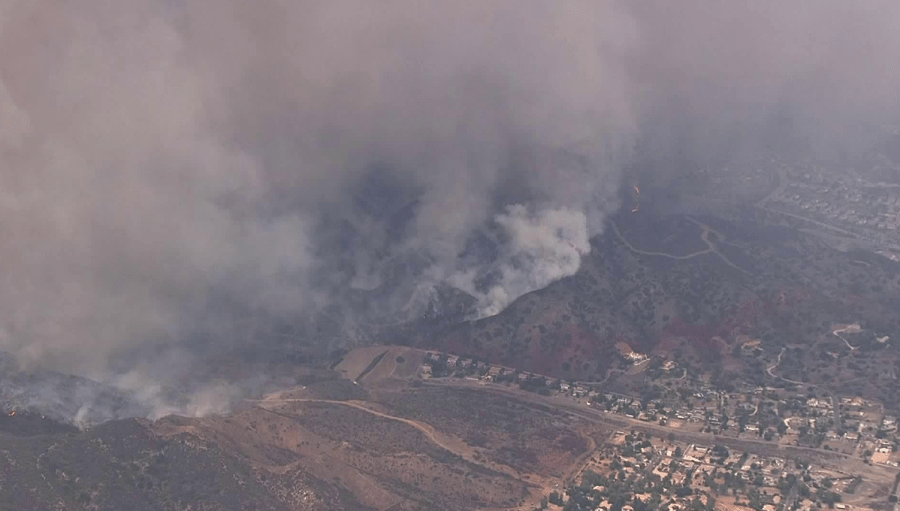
{"points": [[853, 402], [751, 344], [629, 354]]}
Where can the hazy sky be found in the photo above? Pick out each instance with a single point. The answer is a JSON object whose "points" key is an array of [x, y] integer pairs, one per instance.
{"points": [[154, 151]]}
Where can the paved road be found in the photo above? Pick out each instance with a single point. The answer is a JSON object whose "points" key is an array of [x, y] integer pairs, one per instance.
{"points": [[792, 496], [837, 412], [625, 423]]}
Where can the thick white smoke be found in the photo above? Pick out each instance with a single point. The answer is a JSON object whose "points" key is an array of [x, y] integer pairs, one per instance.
{"points": [[543, 248], [156, 156]]}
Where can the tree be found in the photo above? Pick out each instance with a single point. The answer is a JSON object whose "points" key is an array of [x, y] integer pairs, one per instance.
{"points": [[556, 498], [678, 452], [683, 491], [782, 427], [544, 503], [831, 498], [755, 501]]}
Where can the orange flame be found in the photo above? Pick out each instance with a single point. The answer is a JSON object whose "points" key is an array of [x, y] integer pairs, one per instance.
{"points": [[12, 413]]}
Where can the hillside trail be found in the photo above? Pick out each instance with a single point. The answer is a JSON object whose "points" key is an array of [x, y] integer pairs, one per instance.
{"points": [[852, 329], [704, 236], [660, 254], [772, 368]]}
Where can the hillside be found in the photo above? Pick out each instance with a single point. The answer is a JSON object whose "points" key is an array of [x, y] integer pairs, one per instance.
{"points": [[331, 445], [688, 288]]}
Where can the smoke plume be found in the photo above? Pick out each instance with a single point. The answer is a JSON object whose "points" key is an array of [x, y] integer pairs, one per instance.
{"points": [[158, 158]]}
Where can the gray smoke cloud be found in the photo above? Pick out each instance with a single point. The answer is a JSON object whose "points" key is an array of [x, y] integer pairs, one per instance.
{"points": [[717, 81], [157, 154]]}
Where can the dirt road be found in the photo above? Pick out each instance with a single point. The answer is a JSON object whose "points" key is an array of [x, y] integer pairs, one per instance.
{"points": [[427, 430], [460, 449], [704, 235], [624, 423]]}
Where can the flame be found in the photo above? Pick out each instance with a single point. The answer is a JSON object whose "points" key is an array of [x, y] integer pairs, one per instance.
{"points": [[12, 413]]}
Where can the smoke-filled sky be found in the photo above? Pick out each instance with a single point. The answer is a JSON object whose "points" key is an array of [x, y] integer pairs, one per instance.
{"points": [[154, 153]]}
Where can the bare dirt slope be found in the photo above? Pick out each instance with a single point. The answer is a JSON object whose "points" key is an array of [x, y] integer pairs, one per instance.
{"points": [[337, 445]]}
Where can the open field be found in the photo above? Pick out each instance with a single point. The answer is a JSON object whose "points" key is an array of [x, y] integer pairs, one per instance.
{"points": [[386, 362], [526, 437]]}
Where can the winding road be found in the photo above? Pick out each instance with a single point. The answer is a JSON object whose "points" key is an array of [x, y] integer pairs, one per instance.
{"points": [[661, 254], [704, 235], [834, 401], [847, 328]]}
